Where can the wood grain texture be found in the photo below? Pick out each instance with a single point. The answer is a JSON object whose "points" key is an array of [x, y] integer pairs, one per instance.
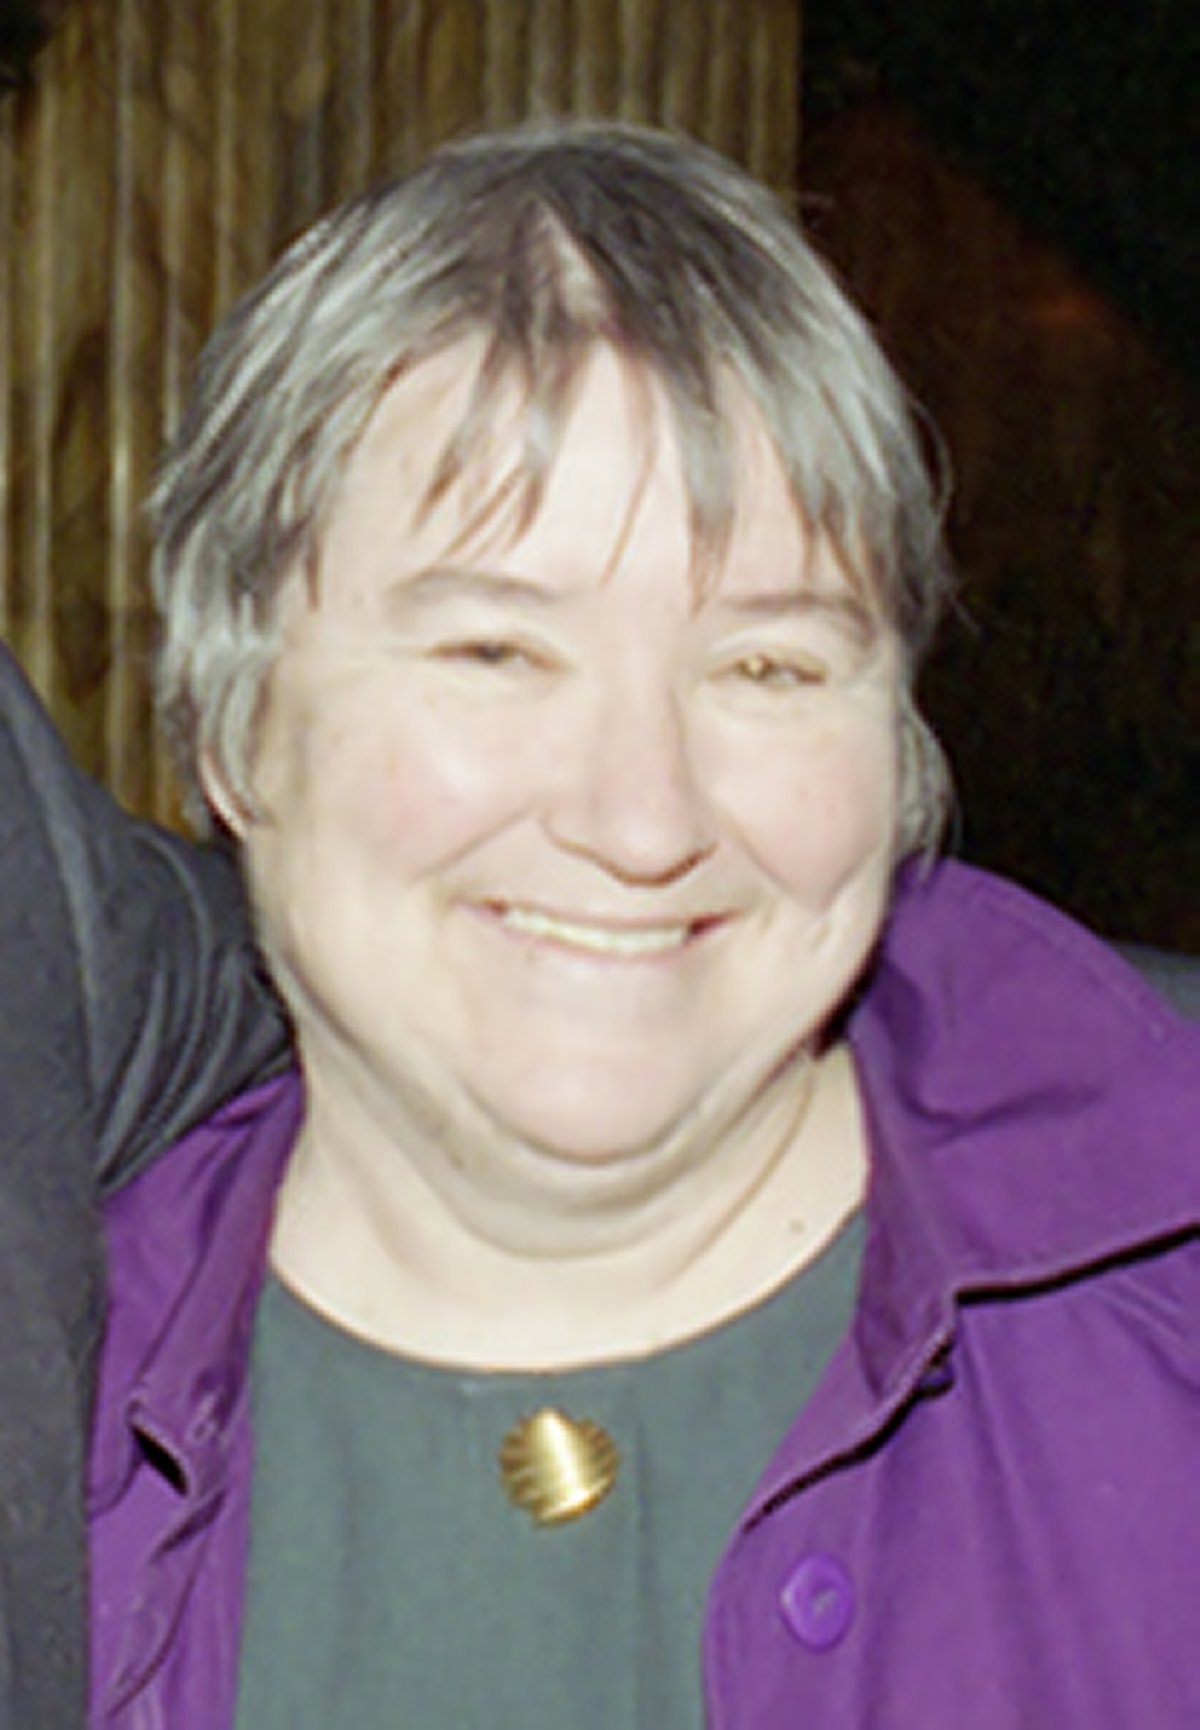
{"points": [[165, 155]]}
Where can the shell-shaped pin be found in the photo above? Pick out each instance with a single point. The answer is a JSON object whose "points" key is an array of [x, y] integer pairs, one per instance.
{"points": [[556, 1467]]}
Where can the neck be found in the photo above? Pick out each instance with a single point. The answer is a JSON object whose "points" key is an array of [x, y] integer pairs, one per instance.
{"points": [[439, 1242]]}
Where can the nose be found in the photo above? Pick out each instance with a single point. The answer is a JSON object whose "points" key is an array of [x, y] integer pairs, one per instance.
{"points": [[629, 795]]}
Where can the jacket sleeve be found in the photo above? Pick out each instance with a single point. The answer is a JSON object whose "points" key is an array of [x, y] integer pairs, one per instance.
{"points": [[128, 971]]}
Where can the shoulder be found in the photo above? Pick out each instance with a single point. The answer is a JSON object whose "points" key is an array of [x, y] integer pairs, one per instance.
{"points": [[1025, 1084], [131, 998], [983, 954], [44, 1057]]}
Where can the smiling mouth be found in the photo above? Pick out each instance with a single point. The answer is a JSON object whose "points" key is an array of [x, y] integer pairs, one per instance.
{"points": [[627, 942]]}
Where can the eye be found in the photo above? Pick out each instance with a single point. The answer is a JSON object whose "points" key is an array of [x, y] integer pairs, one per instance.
{"points": [[495, 652], [781, 672]]}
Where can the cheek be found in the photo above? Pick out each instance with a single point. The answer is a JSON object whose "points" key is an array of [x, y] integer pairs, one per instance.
{"points": [[819, 816], [403, 787]]}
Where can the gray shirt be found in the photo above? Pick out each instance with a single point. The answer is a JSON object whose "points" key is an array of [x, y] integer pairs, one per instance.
{"points": [[392, 1583]]}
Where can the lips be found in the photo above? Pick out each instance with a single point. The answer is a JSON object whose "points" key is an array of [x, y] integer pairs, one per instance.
{"points": [[625, 941]]}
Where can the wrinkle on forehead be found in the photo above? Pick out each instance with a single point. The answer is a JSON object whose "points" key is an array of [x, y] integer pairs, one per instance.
{"points": [[500, 459], [494, 470]]}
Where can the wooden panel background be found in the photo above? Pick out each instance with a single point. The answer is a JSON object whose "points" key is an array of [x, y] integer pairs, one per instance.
{"points": [[167, 150]]}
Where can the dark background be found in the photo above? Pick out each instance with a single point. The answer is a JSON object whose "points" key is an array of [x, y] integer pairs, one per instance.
{"points": [[1010, 189], [1083, 119]]}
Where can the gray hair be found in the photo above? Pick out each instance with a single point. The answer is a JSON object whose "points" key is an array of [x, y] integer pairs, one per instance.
{"points": [[545, 240]]}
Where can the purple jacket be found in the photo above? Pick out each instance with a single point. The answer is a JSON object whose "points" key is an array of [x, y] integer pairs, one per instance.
{"points": [[988, 1515]]}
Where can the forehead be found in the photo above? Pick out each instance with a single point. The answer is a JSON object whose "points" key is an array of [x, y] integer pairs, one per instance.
{"points": [[448, 471]]}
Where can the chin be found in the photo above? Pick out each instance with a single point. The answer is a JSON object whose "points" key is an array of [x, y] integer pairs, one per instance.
{"points": [[596, 1125]]}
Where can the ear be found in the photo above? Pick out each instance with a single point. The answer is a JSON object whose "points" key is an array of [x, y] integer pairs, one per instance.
{"points": [[925, 790], [224, 800]]}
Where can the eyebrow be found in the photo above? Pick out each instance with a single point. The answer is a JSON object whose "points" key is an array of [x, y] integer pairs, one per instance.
{"points": [[846, 609], [440, 583]]}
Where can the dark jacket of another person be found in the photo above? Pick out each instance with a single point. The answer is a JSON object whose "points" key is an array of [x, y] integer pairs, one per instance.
{"points": [[129, 1008]]}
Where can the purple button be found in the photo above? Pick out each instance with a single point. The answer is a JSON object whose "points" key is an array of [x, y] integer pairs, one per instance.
{"points": [[817, 1601]]}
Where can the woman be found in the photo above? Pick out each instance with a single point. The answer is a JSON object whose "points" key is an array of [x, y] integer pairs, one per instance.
{"points": [[694, 1191]]}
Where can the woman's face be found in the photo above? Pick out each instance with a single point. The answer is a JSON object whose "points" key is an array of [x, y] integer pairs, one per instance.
{"points": [[549, 840]]}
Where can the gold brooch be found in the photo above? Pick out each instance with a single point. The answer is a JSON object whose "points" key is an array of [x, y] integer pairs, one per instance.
{"points": [[556, 1468]]}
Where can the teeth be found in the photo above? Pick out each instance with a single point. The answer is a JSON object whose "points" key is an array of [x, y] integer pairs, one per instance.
{"points": [[655, 940]]}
